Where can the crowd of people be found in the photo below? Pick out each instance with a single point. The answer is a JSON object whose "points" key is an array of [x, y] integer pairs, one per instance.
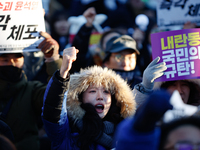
{"points": [[92, 86]]}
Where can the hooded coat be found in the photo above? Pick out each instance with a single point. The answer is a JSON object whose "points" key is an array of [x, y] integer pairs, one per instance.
{"points": [[61, 107]]}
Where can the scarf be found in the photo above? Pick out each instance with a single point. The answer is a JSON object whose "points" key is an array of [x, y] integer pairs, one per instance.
{"points": [[104, 139], [126, 75], [10, 73]]}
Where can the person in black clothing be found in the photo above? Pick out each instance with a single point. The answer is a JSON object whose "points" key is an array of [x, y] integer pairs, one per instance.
{"points": [[59, 27], [85, 59], [81, 42], [121, 56], [6, 143], [21, 100]]}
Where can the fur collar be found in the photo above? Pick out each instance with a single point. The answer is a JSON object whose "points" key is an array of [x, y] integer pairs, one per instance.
{"points": [[79, 82]]}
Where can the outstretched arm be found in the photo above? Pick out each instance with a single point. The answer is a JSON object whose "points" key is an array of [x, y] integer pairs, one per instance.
{"points": [[57, 86], [53, 62], [50, 48], [153, 71], [90, 14], [81, 41], [54, 111]]}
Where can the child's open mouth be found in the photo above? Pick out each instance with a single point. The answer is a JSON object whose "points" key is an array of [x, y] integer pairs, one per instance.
{"points": [[99, 108]]}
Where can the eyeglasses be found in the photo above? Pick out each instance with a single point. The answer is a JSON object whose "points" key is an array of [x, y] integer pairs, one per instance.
{"points": [[185, 146], [120, 58]]}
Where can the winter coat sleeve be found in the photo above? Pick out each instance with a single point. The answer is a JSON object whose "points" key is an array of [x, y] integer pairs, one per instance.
{"points": [[81, 42], [39, 88], [54, 113], [53, 98], [139, 97], [51, 67]]}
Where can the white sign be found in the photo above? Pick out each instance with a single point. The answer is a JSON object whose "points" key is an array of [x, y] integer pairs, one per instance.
{"points": [[18, 21], [172, 13]]}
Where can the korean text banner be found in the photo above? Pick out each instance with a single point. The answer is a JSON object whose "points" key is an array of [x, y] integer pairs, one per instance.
{"points": [[18, 21], [180, 50], [177, 12]]}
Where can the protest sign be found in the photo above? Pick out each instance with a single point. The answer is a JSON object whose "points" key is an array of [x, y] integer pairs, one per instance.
{"points": [[172, 13], [18, 20], [180, 50]]}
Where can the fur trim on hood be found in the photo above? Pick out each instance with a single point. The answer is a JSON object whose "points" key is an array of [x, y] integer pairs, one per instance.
{"points": [[79, 82]]}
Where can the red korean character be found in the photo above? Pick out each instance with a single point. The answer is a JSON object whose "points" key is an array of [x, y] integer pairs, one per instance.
{"points": [[8, 6], [1, 5], [19, 5], [34, 5], [27, 5]]}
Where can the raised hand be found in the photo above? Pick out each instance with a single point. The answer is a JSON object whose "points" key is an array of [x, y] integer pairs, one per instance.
{"points": [[49, 46], [90, 14], [153, 71], [189, 25], [69, 56]]}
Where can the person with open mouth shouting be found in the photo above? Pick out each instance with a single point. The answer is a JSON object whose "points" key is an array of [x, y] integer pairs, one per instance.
{"points": [[81, 110]]}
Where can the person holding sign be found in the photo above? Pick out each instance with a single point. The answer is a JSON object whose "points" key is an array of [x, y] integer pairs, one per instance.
{"points": [[21, 101], [189, 89], [81, 110]]}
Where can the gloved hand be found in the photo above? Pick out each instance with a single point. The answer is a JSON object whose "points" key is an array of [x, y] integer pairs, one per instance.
{"points": [[153, 71], [152, 111], [49, 47]]}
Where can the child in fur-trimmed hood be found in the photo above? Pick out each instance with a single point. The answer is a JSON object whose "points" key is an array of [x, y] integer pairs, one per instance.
{"points": [[81, 110]]}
